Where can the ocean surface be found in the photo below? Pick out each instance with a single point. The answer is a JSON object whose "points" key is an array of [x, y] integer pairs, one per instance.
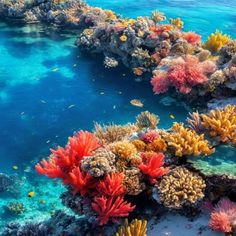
{"points": [[49, 89]]}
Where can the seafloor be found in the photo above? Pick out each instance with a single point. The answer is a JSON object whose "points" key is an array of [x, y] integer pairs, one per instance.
{"points": [[50, 88]]}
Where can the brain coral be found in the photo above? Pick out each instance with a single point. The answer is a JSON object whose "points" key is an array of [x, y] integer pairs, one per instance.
{"points": [[181, 187]]}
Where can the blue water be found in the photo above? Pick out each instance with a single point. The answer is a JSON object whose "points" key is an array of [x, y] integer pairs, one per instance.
{"points": [[49, 89]]}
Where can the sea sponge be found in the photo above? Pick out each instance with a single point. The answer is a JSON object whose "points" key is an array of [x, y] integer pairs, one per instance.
{"points": [[216, 41], [135, 228], [101, 163], [112, 133], [133, 181], [158, 145], [221, 123], [186, 142], [180, 188], [139, 144], [147, 120], [124, 149]]}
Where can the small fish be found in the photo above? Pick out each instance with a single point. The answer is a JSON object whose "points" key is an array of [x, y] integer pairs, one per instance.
{"points": [[74, 65], [55, 69], [102, 93], [114, 107], [43, 101], [41, 201], [22, 113], [172, 116], [72, 105], [124, 74], [48, 141], [30, 194], [119, 92], [15, 167], [136, 102]]}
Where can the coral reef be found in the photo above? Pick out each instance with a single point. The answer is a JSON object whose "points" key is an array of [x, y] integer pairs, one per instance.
{"points": [[147, 120], [180, 187], [223, 217], [124, 149], [186, 142], [15, 208], [135, 228]]}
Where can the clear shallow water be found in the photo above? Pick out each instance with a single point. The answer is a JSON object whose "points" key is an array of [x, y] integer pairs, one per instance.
{"points": [[48, 90], [201, 16]]}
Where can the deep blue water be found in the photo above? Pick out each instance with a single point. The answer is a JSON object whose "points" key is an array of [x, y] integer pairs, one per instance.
{"points": [[49, 89]]}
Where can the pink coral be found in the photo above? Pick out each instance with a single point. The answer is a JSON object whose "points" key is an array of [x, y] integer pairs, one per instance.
{"points": [[192, 37], [183, 74], [223, 216], [150, 136], [110, 208]]}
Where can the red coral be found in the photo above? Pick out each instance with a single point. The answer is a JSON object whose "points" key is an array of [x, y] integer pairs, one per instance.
{"points": [[192, 38], [224, 216], [110, 208], [112, 185], [150, 136], [83, 143], [80, 181], [154, 167]]}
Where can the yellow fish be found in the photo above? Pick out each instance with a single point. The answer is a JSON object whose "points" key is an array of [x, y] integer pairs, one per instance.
{"points": [[15, 167], [30, 194], [172, 116], [136, 102]]}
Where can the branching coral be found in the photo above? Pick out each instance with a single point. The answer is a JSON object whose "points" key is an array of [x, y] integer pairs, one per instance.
{"points": [[147, 120], [153, 167], [216, 41], [221, 123], [223, 217], [110, 208], [124, 149], [181, 187], [111, 133], [135, 228], [112, 185], [101, 163], [186, 142]]}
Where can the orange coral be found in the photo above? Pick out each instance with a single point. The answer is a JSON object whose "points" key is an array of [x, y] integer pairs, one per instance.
{"points": [[124, 149], [158, 145], [139, 144]]}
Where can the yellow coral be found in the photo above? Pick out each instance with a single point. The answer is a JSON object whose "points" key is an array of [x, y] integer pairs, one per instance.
{"points": [[157, 16], [221, 123], [123, 38], [216, 41], [139, 144], [110, 15], [135, 228], [181, 187], [147, 120], [178, 23], [186, 142], [158, 145], [124, 149]]}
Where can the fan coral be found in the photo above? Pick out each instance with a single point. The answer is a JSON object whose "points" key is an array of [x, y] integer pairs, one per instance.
{"points": [[158, 145], [124, 149], [112, 133], [183, 74], [186, 142], [194, 121], [139, 144], [133, 181], [101, 163], [181, 187], [192, 37], [223, 217], [150, 136], [216, 41], [153, 168], [63, 160], [111, 208], [221, 123], [147, 120], [112, 185], [135, 228]]}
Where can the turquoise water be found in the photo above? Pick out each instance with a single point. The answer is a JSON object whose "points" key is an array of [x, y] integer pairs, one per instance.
{"points": [[49, 89]]}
